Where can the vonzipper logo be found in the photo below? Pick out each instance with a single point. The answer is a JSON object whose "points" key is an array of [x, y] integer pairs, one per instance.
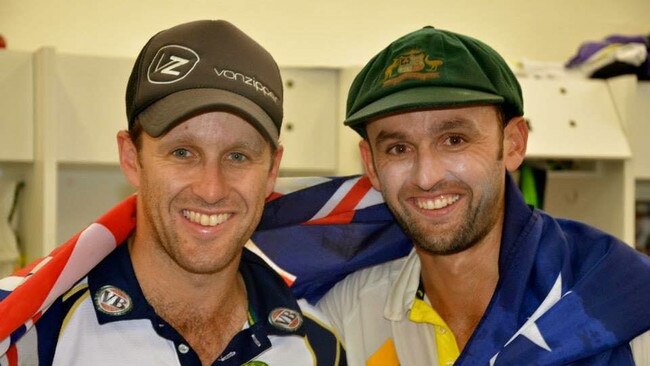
{"points": [[247, 80], [171, 64]]}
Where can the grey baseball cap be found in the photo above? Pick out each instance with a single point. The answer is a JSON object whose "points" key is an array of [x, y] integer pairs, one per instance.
{"points": [[204, 66]]}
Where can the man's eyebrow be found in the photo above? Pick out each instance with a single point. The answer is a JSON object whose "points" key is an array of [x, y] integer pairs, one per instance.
{"points": [[453, 124], [389, 135], [255, 146], [444, 126], [180, 138]]}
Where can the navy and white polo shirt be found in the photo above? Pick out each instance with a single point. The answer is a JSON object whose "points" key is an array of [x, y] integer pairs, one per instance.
{"points": [[105, 320]]}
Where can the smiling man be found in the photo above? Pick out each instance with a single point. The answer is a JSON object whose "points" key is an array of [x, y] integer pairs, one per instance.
{"points": [[490, 281], [204, 105]]}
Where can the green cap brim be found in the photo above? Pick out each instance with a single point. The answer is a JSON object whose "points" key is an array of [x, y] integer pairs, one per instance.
{"points": [[419, 98]]}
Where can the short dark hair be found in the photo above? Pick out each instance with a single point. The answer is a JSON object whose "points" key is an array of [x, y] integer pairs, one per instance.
{"points": [[135, 133]]}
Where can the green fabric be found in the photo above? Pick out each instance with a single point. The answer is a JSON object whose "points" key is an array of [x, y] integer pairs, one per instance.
{"points": [[431, 68], [527, 186]]}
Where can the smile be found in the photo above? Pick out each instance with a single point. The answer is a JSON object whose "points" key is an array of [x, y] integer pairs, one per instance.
{"points": [[206, 220], [438, 203]]}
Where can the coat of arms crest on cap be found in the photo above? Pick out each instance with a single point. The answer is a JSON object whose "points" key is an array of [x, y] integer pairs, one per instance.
{"points": [[413, 64]]}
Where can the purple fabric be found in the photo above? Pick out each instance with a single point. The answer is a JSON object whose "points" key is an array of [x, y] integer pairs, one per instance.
{"points": [[588, 49]]}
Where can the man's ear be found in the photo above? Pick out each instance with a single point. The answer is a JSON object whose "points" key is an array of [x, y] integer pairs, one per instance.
{"points": [[129, 162], [368, 163], [275, 170], [515, 141]]}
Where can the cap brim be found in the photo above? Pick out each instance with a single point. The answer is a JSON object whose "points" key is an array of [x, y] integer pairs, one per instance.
{"points": [[166, 113], [421, 98]]}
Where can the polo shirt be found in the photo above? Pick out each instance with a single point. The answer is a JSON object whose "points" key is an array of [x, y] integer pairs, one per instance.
{"points": [[106, 320], [371, 310]]}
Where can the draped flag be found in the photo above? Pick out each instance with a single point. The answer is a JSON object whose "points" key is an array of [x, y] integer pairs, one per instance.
{"points": [[566, 292], [26, 294], [325, 232]]}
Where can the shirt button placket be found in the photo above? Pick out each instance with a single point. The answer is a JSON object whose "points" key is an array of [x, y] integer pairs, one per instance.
{"points": [[183, 348]]}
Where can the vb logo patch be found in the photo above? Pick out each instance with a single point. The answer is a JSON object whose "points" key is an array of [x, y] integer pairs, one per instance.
{"points": [[171, 64], [112, 301], [285, 319]]}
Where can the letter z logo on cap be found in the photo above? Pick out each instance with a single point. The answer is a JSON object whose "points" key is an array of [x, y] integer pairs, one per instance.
{"points": [[171, 64]]}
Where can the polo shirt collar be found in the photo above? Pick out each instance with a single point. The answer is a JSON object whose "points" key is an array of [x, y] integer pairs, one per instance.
{"points": [[117, 295], [404, 288]]}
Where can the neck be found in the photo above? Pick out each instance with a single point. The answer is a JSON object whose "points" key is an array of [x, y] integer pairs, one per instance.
{"points": [[460, 286], [206, 309]]}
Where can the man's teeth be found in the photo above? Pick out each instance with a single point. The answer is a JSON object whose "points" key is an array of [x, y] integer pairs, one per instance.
{"points": [[438, 203], [205, 220]]}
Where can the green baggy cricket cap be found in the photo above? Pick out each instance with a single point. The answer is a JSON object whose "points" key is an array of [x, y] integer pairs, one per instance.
{"points": [[431, 68]]}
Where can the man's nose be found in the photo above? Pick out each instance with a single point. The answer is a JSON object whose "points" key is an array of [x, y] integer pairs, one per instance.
{"points": [[429, 169], [210, 184]]}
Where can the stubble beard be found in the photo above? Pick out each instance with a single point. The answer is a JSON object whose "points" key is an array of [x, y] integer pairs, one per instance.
{"points": [[477, 221], [166, 240]]}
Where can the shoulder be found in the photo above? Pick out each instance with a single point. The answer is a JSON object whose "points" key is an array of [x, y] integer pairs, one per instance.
{"points": [[357, 284], [39, 342], [369, 286], [355, 307], [62, 308], [588, 245], [577, 233]]}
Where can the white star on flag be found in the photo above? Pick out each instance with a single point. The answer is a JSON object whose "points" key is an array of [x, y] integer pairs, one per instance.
{"points": [[530, 329]]}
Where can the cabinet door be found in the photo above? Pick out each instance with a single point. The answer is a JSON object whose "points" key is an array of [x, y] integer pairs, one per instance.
{"points": [[16, 106], [572, 119], [90, 107], [310, 122]]}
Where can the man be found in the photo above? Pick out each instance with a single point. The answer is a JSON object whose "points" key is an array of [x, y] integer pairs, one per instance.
{"points": [[204, 105], [490, 280]]}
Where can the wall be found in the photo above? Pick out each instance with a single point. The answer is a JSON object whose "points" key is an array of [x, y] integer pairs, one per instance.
{"points": [[333, 33], [323, 33]]}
